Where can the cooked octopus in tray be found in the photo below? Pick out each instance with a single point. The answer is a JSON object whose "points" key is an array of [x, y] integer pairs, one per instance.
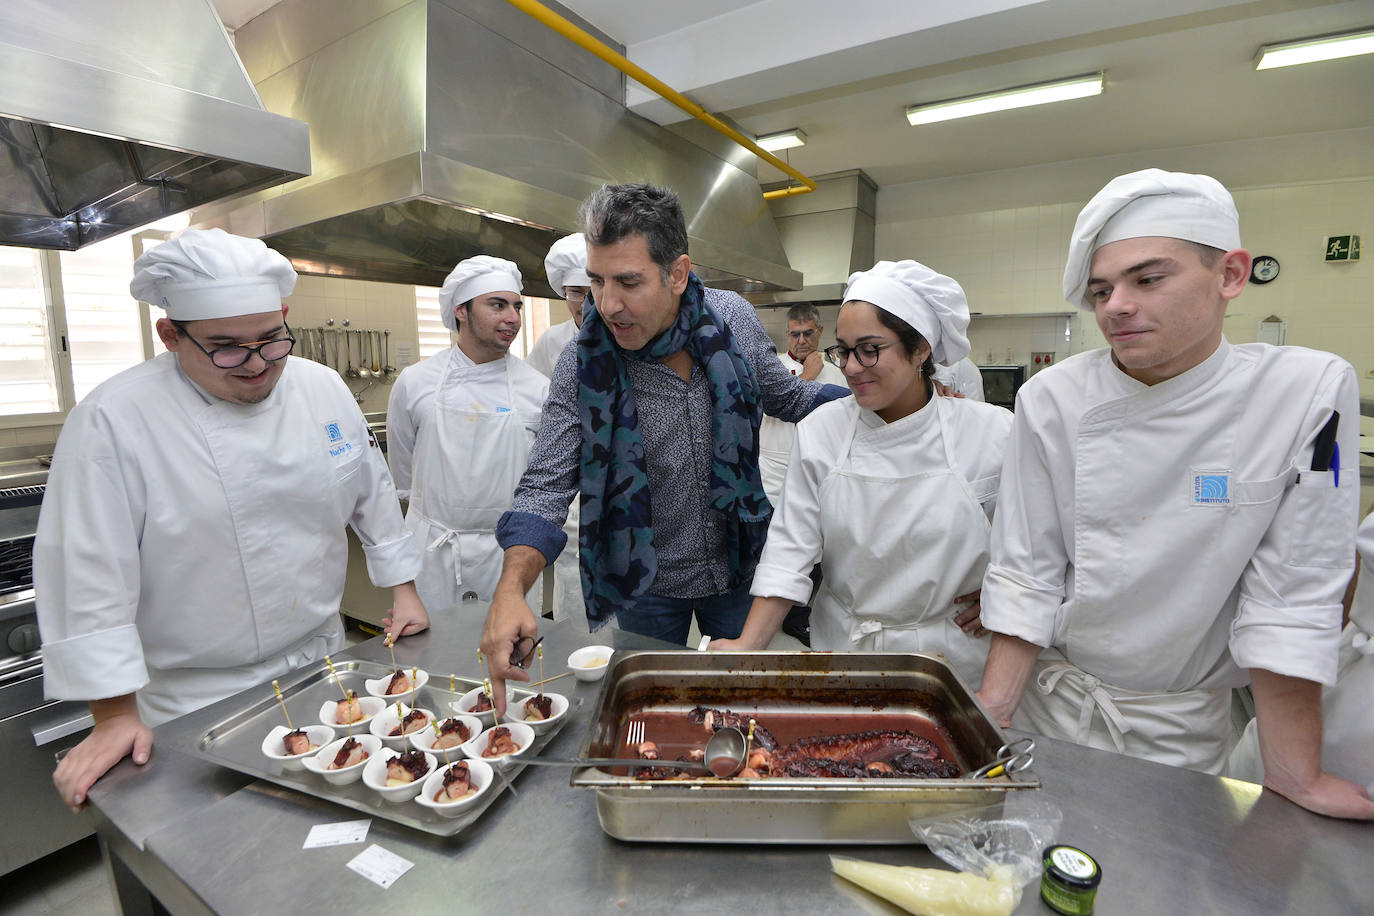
{"points": [[414, 721], [400, 683], [452, 733], [457, 784], [870, 753], [349, 709], [500, 742], [296, 743], [351, 753], [538, 708], [406, 768]]}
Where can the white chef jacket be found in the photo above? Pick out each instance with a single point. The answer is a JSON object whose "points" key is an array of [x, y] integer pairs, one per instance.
{"points": [[1187, 550], [483, 389], [907, 446], [544, 356], [775, 436], [1347, 720], [963, 377], [189, 548]]}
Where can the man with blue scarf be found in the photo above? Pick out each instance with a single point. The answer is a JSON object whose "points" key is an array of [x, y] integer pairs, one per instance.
{"points": [[653, 416]]}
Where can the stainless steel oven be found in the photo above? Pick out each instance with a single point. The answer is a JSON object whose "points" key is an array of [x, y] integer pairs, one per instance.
{"points": [[32, 729], [1000, 384]]}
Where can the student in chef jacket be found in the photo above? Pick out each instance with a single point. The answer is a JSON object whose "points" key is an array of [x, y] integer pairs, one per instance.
{"points": [[652, 422], [566, 267], [1161, 528], [1347, 719], [803, 359], [459, 427], [890, 490], [191, 542]]}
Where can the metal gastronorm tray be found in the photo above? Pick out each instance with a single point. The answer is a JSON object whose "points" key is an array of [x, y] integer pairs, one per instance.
{"points": [[236, 742], [788, 810]]}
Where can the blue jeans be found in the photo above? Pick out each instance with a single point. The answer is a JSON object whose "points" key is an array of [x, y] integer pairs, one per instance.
{"points": [[670, 619]]}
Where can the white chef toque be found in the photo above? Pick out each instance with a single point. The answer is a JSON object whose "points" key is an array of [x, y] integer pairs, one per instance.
{"points": [[208, 273], [566, 263], [930, 302], [473, 277], [1151, 202]]}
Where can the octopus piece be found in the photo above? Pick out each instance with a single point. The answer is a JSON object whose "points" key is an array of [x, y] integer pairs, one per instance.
{"points": [[647, 750], [457, 784], [539, 708], [406, 768], [451, 734], [500, 743], [414, 721], [348, 710], [483, 703], [296, 743], [713, 720], [400, 683], [351, 753]]}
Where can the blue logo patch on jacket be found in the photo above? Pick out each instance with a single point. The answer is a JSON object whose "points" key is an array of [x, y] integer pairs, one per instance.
{"points": [[1212, 488]]}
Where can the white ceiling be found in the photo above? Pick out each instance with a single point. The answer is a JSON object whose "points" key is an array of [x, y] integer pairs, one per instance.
{"points": [[1179, 74]]}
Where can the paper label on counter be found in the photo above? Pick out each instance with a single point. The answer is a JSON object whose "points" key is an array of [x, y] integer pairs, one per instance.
{"points": [[380, 867], [340, 834]]}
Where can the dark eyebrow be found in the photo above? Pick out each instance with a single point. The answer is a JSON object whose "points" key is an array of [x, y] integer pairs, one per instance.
{"points": [[234, 341], [1140, 267], [862, 339]]}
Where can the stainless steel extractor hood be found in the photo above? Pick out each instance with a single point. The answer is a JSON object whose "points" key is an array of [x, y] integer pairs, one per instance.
{"points": [[113, 115], [447, 128], [828, 234]]}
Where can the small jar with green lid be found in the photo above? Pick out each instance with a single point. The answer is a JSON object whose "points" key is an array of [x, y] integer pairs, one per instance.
{"points": [[1069, 881]]}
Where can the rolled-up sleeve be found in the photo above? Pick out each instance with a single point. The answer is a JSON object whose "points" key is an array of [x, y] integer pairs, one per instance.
{"points": [[550, 481], [86, 568], [1023, 588], [1288, 618]]}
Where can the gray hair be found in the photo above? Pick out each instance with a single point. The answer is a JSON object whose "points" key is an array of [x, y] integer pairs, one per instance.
{"points": [[804, 311], [619, 210]]}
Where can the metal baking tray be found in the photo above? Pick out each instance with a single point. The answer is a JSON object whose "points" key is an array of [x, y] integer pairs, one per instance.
{"points": [[789, 810], [236, 742]]}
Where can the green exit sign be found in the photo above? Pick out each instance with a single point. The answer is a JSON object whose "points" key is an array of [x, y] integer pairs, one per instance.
{"points": [[1342, 248]]}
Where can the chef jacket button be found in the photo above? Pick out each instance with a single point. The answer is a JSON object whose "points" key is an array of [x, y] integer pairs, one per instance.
{"points": [[469, 596]]}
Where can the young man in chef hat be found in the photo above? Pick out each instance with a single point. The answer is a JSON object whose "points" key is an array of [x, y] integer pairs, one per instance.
{"points": [[1162, 533], [191, 543], [459, 427]]}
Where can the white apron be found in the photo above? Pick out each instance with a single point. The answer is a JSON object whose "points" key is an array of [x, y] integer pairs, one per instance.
{"points": [[466, 467], [896, 553], [258, 482]]}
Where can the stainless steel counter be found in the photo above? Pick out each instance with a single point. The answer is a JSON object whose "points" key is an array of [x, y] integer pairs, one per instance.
{"points": [[1168, 840]]}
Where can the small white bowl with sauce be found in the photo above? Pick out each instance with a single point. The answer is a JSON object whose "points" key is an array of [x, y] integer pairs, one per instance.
{"points": [[274, 749], [467, 701], [376, 687], [424, 741], [481, 776], [375, 777], [590, 662], [515, 712], [320, 762], [390, 718], [369, 706], [520, 733]]}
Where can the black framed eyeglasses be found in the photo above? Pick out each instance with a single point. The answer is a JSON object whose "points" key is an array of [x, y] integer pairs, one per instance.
{"points": [[524, 650], [865, 353], [232, 357]]}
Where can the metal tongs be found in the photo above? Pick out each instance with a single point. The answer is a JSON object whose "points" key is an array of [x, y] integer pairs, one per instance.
{"points": [[1012, 757]]}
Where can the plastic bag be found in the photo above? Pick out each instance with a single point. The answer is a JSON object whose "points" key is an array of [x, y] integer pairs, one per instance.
{"points": [[984, 841]]}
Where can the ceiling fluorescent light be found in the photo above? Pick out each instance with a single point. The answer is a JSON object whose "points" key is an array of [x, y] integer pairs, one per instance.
{"points": [[785, 139], [1076, 87], [1310, 50]]}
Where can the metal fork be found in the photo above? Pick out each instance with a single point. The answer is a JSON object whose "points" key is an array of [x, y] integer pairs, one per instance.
{"points": [[634, 733]]}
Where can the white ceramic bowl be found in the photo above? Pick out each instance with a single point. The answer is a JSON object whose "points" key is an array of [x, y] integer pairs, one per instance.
{"points": [[515, 712], [465, 703], [374, 777], [377, 687], [580, 662], [521, 733], [482, 776], [382, 724], [319, 763], [424, 741], [273, 749], [370, 707]]}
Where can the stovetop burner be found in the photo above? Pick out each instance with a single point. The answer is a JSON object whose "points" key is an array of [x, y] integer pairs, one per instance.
{"points": [[16, 565]]}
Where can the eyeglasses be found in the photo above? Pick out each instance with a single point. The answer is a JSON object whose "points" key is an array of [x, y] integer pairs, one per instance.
{"points": [[524, 649], [798, 335], [865, 353], [235, 356], [575, 298]]}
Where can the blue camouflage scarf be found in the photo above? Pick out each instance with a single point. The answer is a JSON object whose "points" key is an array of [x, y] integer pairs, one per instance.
{"points": [[616, 537]]}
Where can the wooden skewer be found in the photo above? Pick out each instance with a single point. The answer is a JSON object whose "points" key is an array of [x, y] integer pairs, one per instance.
{"points": [[391, 644], [452, 695], [414, 683], [283, 706], [540, 647], [330, 662], [437, 735], [546, 680], [748, 740]]}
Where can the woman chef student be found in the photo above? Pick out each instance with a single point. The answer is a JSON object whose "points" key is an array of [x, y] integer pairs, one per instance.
{"points": [[890, 491]]}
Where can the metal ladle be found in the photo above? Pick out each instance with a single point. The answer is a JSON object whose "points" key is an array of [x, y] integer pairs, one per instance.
{"points": [[725, 750], [350, 372], [374, 341], [363, 371], [386, 354]]}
